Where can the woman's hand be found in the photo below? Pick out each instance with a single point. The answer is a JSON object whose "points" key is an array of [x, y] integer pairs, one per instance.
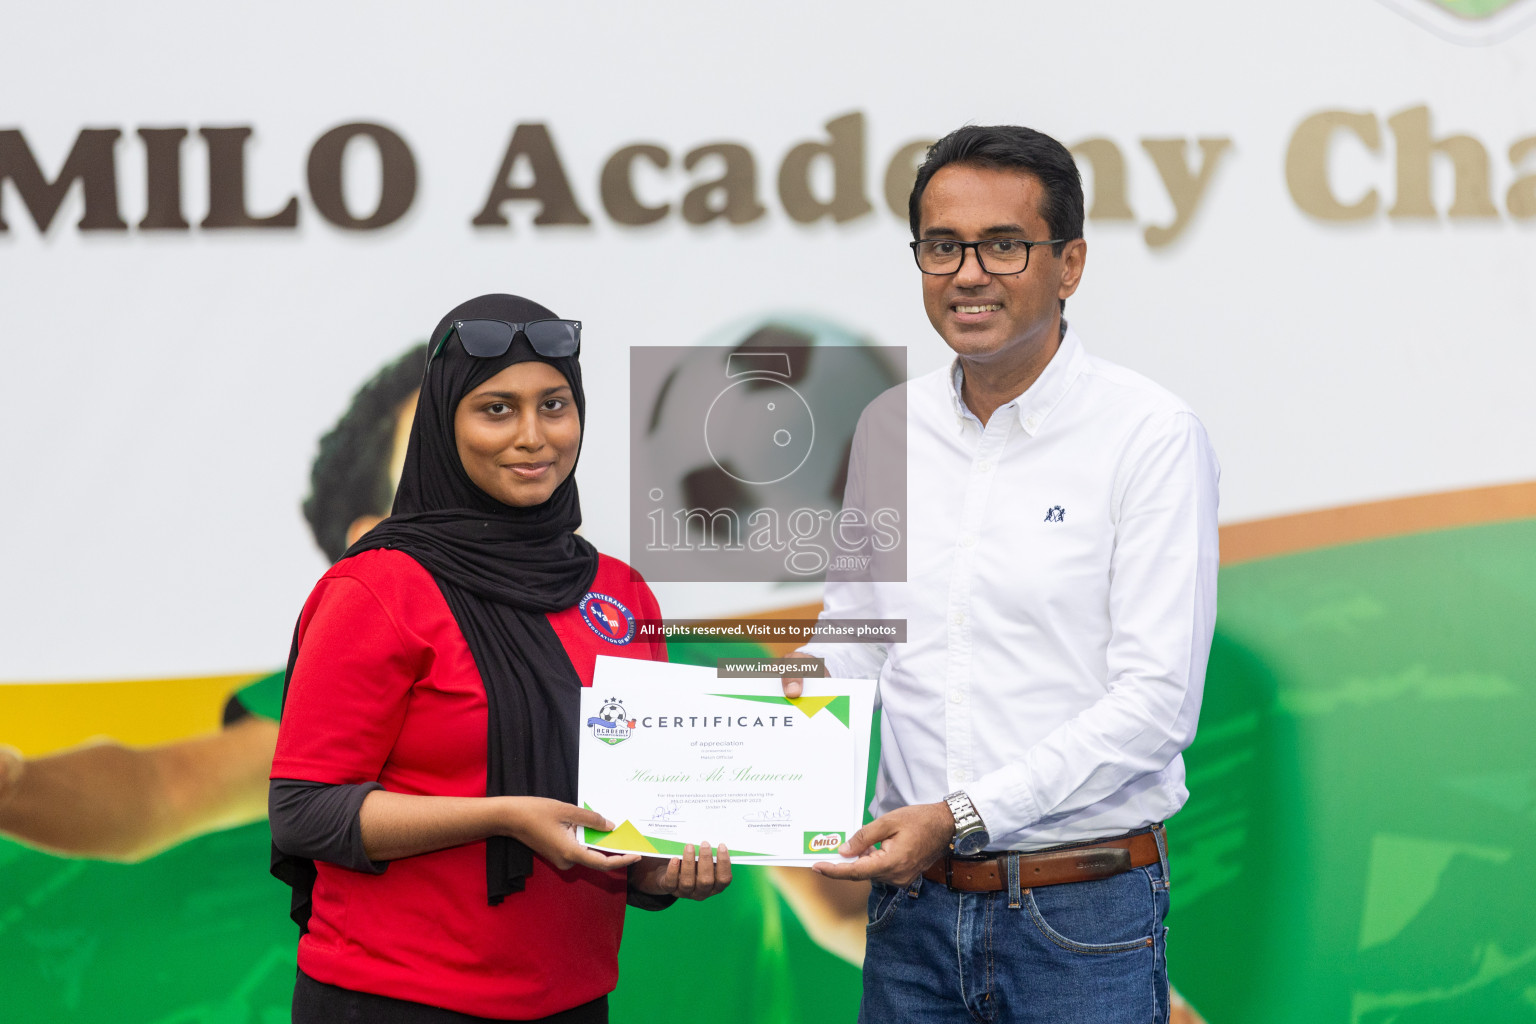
{"points": [[551, 829], [396, 825], [693, 876]]}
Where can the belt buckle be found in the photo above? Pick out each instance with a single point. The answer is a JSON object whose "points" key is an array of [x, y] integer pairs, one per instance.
{"points": [[1105, 862]]}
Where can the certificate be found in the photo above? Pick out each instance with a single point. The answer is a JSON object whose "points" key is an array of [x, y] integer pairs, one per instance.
{"points": [[676, 754]]}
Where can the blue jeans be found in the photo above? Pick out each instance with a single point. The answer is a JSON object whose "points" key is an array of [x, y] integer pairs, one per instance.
{"points": [[1077, 953]]}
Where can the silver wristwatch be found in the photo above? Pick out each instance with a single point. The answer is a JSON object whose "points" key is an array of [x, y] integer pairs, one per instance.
{"points": [[970, 836]]}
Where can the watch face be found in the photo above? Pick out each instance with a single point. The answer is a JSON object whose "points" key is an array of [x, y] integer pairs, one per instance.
{"points": [[971, 843]]}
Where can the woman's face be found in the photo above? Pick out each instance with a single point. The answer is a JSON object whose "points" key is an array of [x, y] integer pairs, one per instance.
{"points": [[518, 433]]}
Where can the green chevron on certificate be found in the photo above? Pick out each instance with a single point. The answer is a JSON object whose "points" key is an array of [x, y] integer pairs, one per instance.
{"points": [[677, 754]]}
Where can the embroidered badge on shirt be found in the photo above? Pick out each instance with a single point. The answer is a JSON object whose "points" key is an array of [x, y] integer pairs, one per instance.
{"points": [[608, 618], [1055, 514]]}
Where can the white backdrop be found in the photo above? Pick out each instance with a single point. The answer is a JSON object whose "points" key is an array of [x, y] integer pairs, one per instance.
{"points": [[167, 388]]}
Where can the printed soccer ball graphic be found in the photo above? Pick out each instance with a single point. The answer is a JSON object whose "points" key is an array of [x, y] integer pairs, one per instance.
{"points": [[613, 712]]}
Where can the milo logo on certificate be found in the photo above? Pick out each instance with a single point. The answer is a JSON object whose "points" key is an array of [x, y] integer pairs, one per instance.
{"points": [[823, 842]]}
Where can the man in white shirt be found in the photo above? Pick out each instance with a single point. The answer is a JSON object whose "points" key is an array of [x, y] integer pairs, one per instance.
{"points": [[1060, 596]]}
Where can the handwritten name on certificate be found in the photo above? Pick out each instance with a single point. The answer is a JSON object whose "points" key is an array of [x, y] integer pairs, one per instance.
{"points": [[677, 755]]}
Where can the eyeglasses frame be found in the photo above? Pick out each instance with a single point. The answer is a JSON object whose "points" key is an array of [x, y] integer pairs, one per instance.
{"points": [[1028, 245]]}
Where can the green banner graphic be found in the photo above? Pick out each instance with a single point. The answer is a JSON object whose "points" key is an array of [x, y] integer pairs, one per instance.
{"points": [[809, 706], [1360, 836]]}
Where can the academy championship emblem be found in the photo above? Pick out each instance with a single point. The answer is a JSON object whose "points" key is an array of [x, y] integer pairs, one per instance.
{"points": [[612, 723], [609, 619]]}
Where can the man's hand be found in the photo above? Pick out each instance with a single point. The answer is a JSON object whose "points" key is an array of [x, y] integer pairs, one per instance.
{"points": [[693, 876], [793, 685], [910, 838]]}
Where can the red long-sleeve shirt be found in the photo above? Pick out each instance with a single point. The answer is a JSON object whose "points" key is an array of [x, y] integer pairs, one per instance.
{"points": [[385, 688]]}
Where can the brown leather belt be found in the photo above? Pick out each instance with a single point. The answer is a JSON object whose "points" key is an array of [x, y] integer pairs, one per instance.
{"points": [[1049, 867]]}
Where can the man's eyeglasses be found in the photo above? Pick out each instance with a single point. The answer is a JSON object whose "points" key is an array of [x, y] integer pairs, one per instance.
{"points": [[943, 256], [490, 339]]}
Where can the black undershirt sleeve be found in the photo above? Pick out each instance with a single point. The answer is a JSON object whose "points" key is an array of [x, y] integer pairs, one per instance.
{"points": [[646, 901], [318, 820]]}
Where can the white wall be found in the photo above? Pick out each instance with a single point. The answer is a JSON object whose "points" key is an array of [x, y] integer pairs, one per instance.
{"points": [[167, 388]]}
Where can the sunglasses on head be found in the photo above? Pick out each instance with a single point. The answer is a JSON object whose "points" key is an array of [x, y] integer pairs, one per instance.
{"points": [[490, 339]]}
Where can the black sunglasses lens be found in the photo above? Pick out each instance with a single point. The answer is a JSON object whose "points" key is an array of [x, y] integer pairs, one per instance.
{"points": [[554, 338], [484, 339]]}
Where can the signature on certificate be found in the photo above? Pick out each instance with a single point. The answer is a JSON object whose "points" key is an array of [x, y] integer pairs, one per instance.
{"points": [[777, 814], [667, 813]]}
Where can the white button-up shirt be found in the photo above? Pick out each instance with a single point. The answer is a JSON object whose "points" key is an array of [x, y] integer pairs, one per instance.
{"points": [[1060, 597]]}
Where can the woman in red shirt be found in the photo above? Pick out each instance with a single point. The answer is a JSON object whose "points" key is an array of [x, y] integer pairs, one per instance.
{"points": [[426, 760]]}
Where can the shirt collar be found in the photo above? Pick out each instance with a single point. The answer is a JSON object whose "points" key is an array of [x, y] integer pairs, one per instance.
{"points": [[1037, 402]]}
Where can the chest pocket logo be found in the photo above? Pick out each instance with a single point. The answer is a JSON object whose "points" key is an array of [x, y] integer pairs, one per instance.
{"points": [[1055, 514], [608, 618]]}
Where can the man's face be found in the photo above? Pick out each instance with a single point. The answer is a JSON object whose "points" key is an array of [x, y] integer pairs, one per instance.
{"points": [[1001, 319]]}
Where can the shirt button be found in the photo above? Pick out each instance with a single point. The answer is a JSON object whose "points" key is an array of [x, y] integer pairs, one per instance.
{"points": [[1032, 422], [983, 466], [968, 541], [955, 698], [958, 618]]}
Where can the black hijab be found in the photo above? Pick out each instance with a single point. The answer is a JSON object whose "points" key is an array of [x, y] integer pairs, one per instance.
{"points": [[500, 568]]}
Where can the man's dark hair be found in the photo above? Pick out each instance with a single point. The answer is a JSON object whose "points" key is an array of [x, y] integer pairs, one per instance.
{"points": [[1011, 148], [350, 476]]}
